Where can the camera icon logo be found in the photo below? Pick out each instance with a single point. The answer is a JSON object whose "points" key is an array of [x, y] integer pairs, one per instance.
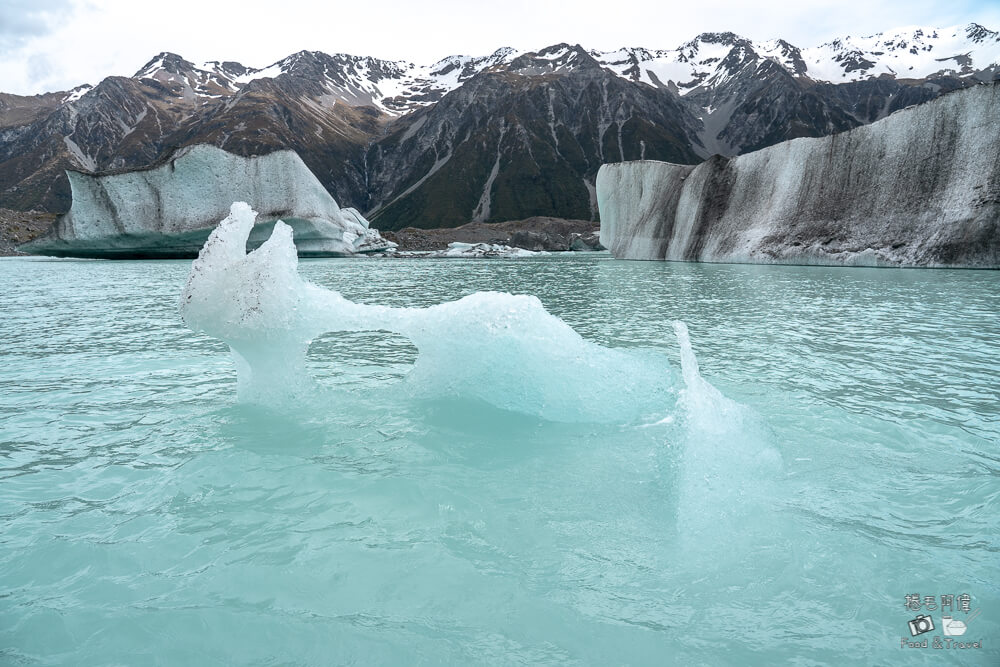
{"points": [[921, 624]]}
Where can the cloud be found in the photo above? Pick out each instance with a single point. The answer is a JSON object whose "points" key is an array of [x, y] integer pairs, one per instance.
{"points": [[39, 67], [22, 20]]}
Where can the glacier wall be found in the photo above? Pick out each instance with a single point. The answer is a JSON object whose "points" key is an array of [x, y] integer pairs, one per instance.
{"points": [[169, 210], [918, 188]]}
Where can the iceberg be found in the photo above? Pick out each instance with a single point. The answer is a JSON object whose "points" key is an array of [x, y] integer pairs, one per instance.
{"points": [[169, 209], [500, 349], [918, 188], [503, 349]]}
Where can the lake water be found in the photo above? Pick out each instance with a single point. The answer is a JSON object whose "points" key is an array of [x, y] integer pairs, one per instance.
{"points": [[150, 518]]}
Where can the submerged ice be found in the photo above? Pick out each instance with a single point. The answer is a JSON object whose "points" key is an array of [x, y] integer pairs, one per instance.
{"points": [[501, 349]]}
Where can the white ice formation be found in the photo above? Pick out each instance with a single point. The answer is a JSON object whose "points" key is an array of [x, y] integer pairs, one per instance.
{"points": [[919, 188], [500, 349], [169, 210], [480, 250], [503, 349], [459, 250]]}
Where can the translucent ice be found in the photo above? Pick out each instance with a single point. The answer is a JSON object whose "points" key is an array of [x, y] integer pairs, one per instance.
{"points": [[726, 462], [500, 349], [504, 349]]}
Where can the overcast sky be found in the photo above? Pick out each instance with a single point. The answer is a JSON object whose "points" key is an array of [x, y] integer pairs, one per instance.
{"points": [[50, 45]]}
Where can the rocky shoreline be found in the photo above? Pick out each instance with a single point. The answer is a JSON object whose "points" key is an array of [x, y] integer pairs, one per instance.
{"points": [[535, 234], [17, 227]]}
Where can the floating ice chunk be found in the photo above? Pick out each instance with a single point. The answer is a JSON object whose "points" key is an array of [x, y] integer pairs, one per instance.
{"points": [[702, 400], [727, 462], [365, 238], [504, 349], [458, 249]]}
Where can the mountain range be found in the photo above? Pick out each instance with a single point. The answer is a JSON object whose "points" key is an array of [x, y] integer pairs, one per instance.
{"points": [[499, 137]]}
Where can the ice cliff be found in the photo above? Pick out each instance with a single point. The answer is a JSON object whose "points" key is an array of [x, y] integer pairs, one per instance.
{"points": [[918, 188], [168, 210]]}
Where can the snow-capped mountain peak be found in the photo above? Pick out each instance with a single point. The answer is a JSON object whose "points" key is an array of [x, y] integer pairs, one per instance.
{"points": [[551, 59], [977, 33], [394, 87], [707, 61], [785, 54], [905, 53]]}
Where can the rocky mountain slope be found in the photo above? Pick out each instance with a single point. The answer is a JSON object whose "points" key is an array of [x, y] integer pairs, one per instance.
{"points": [[17, 227], [523, 139], [500, 137]]}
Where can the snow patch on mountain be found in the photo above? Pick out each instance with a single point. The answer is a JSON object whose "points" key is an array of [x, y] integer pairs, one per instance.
{"points": [[906, 53], [77, 93]]}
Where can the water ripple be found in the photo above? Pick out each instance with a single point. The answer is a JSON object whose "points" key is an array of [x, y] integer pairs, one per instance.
{"points": [[147, 518]]}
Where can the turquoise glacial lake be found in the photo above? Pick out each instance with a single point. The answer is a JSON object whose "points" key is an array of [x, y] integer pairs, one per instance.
{"points": [[845, 484]]}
